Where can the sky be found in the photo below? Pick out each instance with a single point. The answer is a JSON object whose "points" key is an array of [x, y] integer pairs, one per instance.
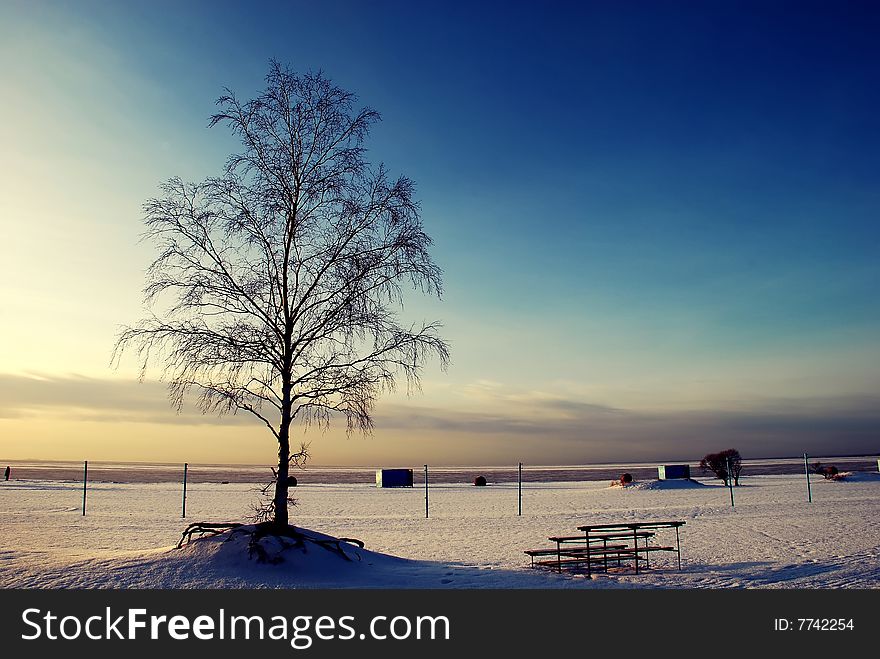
{"points": [[657, 221]]}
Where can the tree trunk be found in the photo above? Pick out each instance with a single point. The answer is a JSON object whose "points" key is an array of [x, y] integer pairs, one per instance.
{"points": [[281, 517], [281, 485]]}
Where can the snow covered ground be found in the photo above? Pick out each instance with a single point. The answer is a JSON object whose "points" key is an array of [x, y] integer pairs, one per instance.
{"points": [[772, 538]]}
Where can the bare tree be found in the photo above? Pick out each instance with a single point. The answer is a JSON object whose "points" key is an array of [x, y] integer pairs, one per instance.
{"points": [[277, 285], [725, 465]]}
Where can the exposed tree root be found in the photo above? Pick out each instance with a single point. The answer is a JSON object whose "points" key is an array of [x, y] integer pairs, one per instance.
{"points": [[203, 529], [268, 542]]}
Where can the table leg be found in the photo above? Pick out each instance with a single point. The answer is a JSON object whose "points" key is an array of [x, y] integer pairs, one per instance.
{"points": [[589, 566], [636, 549], [678, 548]]}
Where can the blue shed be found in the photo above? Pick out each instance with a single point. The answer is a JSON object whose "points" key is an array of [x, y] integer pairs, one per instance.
{"points": [[394, 478], [669, 472]]}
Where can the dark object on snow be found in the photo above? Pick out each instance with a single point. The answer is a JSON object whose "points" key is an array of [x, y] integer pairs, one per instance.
{"points": [[669, 472], [480, 481], [291, 481], [829, 472], [626, 478], [725, 465], [394, 478], [7, 473]]}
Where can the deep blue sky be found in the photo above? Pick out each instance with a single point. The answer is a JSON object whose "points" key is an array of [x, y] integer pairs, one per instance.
{"points": [[632, 154], [640, 205]]}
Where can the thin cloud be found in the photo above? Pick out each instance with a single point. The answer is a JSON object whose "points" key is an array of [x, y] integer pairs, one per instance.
{"points": [[81, 398], [780, 427], [571, 426]]}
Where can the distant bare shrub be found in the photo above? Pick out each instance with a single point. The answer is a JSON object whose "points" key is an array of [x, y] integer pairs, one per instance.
{"points": [[828, 472], [720, 463]]}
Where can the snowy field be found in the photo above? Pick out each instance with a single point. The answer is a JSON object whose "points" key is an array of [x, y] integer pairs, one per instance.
{"points": [[772, 538]]}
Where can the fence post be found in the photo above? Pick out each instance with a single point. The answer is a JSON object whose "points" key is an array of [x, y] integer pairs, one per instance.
{"points": [[730, 482], [185, 467], [807, 474], [426, 491], [85, 480], [520, 489]]}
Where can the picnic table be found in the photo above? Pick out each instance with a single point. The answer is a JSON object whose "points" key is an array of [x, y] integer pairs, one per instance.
{"points": [[633, 529], [601, 542]]}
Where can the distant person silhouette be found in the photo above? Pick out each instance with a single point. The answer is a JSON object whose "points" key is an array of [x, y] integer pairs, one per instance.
{"points": [[7, 474]]}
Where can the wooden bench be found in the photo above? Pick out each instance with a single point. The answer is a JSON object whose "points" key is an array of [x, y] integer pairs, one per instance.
{"points": [[574, 554], [600, 537], [589, 540], [601, 543], [618, 553], [633, 529], [580, 558]]}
